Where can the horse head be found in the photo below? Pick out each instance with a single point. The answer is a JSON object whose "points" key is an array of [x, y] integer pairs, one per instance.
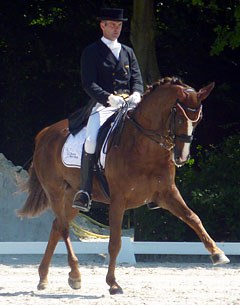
{"points": [[168, 115], [186, 114]]}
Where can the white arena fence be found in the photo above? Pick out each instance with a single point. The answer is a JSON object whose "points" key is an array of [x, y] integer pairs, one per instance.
{"points": [[128, 250]]}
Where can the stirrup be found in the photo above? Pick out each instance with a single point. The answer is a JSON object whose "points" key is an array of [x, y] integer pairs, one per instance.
{"points": [[152, 206], [82, 201]]}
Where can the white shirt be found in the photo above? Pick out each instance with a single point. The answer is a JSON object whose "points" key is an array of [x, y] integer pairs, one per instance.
{"points": [[114, 46]]}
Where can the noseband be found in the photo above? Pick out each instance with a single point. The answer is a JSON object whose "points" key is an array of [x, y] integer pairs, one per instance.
{"points": [[168, 141]]}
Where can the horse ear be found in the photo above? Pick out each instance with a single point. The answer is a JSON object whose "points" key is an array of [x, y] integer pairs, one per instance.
{"points": [[205, 91]]}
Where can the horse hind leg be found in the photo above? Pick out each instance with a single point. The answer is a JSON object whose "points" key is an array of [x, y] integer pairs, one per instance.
{"points": [[74, 279], [177, 206], [44, 265], [66, 214], [59, 231]]}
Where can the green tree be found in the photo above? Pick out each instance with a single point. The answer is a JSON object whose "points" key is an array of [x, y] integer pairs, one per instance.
{"points": [[227, 33]]}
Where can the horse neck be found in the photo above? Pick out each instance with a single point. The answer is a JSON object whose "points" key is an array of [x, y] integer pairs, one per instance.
{"points": [[154, 111], [151, 131]]}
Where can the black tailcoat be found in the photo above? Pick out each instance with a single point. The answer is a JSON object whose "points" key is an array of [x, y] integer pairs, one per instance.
{"points": [[102, 74]]}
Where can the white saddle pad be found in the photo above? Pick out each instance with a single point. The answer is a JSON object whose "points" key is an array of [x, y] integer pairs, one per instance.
{"points": [[72, 150]]}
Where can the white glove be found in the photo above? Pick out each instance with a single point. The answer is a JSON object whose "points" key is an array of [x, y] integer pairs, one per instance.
{"points": [[134, 99], [115, 101]]}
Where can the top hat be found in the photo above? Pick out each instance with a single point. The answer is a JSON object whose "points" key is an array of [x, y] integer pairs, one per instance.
{"points": [[114, 14]]}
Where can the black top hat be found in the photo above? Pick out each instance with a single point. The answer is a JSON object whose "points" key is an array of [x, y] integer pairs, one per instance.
{"points": [[114, 14]]}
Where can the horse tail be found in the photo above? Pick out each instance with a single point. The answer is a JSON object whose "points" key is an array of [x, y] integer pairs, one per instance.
{"points": [[37, 200]]}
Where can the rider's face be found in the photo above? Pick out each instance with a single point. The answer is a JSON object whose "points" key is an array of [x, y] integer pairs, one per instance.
{"points": [[111, 29]]}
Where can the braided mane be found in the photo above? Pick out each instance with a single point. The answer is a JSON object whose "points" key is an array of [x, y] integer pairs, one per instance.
{"points": [[165, 80]]}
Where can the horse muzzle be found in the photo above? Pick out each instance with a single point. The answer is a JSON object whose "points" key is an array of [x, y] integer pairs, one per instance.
{"points": [[179, 161], [182, 149]]}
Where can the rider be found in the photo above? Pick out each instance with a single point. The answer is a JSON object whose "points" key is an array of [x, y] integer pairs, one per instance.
{"points": [[107, 69]]}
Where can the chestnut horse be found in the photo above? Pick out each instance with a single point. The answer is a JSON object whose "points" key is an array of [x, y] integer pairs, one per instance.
{"points": [[155, 137]]}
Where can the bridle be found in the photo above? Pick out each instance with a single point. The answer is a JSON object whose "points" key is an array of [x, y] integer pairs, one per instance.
{"points": [[183, 108], [168, 141]]}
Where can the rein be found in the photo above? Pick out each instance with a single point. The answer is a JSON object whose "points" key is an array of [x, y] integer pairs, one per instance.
{"points": [[166, 142]]}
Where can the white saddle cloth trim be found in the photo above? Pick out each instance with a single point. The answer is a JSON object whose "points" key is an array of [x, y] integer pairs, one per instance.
{"points": [[72, 149]]}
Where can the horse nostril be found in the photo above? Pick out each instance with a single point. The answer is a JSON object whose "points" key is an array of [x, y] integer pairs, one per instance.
{"points": [[177, 160]]}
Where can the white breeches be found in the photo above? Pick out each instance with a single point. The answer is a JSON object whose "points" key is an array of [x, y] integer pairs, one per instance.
{"points": [[98, 116]]}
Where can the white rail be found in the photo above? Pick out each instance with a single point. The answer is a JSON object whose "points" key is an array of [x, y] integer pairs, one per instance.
{"points": [[128, 250]]}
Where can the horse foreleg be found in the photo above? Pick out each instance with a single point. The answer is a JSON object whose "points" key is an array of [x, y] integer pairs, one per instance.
{"points": [[44, 265], [115, 221], [177, 206]]}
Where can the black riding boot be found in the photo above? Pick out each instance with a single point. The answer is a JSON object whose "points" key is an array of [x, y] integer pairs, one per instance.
{"points": [[82, 199]]}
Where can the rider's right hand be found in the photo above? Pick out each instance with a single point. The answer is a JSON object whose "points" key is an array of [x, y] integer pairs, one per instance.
{"points": [[115, 101]]}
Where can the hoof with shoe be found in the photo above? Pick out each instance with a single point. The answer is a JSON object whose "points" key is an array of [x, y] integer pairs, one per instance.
{"points": [[74, 283], [42, 285], [115, 290], [219, 259]]}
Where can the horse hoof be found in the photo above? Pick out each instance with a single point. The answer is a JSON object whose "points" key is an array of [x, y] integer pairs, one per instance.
{"points": [[219, 259], [116, 290], [74, 283], [42, 285]]}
